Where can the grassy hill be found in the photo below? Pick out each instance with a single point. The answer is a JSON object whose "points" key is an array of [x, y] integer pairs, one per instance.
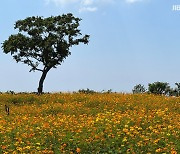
{"points": [[89, 123]]}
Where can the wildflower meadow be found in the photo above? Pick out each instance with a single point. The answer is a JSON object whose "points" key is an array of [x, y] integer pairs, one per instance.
{"points": [[89, 123]]}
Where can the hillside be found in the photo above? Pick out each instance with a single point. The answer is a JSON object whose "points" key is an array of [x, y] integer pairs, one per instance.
{"points": [[89, 123]]}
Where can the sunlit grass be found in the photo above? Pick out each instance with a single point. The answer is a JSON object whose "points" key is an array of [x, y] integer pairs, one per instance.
{"points": [[89, 123]]}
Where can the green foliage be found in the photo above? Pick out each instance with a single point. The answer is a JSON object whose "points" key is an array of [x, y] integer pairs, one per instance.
{"points": [[44, 40], [107, 91], [10, 92], [177, 89], [138, 89], [160, 88], [90, 91], [87, 91]]}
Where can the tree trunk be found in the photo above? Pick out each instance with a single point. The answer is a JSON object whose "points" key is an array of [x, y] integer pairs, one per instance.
{"points": [[41, 81]]}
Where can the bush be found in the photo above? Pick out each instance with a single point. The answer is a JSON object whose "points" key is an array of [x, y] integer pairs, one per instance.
{"points": [[87, 91], [159, 88], [139, 89], [177, 89], [10, 92]]}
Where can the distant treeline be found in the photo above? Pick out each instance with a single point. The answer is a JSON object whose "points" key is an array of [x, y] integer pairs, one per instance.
{"points": [[85, 91], [158, 88]]}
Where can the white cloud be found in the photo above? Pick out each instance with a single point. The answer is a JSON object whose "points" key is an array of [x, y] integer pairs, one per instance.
{"points": [[61, 2], [133, 1], [107, 1], [88, 5], [81, 2], [87, 2], [88, 9]]}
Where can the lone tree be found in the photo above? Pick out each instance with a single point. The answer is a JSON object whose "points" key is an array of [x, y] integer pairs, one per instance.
{"points": [[44, 43]]}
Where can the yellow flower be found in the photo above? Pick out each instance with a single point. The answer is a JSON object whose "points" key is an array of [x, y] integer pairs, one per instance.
{"points": [[38, 148], [150, 127], [19, 148], [28, 147], [126, 126], [38, 143], [125, 130], [158, 150], [156, 141], [170, 127], [124, 139], [168, 134]]}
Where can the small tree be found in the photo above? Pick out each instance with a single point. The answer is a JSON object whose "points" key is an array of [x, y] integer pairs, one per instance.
{"points": [[176, 90], [44, 43], [138, 89], [159, 88]]}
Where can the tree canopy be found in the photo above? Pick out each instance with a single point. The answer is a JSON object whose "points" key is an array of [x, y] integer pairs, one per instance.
{"points": [[44, 43]]}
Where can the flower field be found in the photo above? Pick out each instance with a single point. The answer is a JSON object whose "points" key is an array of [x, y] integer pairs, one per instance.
{"points": [[89, 123]]}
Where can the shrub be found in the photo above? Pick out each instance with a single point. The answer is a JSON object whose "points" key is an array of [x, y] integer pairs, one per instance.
{"points": [[177, 89], [10, 92], [160, 88], [87, 91], [138, 89]]}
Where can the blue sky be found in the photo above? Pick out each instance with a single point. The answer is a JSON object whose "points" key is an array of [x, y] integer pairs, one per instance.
{"points": [[132, 42]]}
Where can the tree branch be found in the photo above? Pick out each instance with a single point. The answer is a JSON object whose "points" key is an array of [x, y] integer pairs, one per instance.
{"points": [[33, 66], [37, 69]]}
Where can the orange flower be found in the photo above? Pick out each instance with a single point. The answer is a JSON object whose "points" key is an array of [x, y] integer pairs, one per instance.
{"points": [[64, 145], [3, 147], [173, 152], [46, 125], [78, 150]]}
